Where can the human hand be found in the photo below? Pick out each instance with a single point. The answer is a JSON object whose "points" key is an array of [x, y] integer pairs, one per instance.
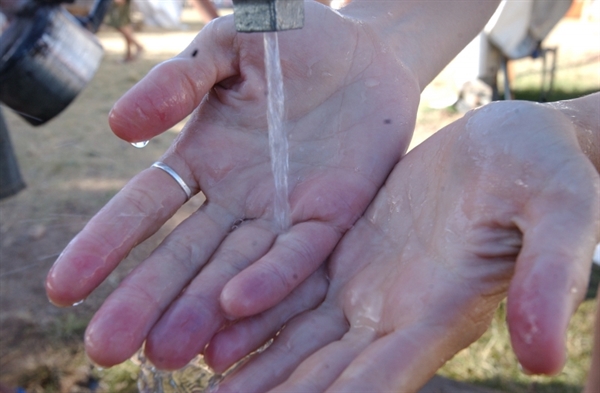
{"points": [[350, 110], [502, 202]]}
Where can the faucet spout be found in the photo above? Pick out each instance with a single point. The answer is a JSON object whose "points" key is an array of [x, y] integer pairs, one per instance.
{"points": [[268, 15]]}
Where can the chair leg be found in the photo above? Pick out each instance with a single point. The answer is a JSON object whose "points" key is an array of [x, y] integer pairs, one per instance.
{"points": [[547, 73], [504, 66]]}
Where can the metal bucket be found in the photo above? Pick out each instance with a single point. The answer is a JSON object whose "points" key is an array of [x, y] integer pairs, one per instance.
{"points": [[46, 58]]}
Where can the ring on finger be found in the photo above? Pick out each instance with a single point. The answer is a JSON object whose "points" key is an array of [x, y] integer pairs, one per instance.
{"points": [[175, 176]]}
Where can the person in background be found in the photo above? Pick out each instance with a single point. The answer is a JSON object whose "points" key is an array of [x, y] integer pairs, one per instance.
{"points": [[206, 9], [119, 17], [3, 20], [8, 8], [6, 389]]}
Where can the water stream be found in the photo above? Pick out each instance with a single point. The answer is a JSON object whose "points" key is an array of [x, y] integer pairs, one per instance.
{"points": [[197, 377], [278, 141]]}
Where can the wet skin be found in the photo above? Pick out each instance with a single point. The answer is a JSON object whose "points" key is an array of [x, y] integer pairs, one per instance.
{"points": [[504, 202], [345, 135]]}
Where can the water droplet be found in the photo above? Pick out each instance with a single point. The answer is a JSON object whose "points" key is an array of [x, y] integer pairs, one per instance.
{"points": [[520, 183], [596, 257], [371, 82], [140, 145]]}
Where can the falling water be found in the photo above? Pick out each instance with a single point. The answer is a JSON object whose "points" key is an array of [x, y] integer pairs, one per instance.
{"points": [[197, 377], [278, 141]]}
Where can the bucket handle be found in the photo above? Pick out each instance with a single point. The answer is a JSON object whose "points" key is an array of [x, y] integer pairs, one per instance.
{"points": [[90, 22]]}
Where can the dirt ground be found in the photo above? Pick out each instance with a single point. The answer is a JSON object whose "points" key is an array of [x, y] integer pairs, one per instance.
{"points": [[73, 165]]}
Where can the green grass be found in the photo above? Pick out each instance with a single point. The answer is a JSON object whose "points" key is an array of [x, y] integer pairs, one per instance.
{"points": [[69, 327], [571, 80], [119, 379], [557, 94]]}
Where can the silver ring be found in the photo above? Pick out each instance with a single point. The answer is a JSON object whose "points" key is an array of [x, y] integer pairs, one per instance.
{"points": [[175, 176]]}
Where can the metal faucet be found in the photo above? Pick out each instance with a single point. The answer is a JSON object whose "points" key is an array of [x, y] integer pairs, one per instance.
{"points": [[268, 15]]}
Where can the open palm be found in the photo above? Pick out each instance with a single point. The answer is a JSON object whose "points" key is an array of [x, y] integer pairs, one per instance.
{"points": [[350, 110], [501, 202]]}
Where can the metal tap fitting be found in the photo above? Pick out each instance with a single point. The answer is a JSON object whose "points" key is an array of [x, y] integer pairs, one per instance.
{"points": [[268, 15]]}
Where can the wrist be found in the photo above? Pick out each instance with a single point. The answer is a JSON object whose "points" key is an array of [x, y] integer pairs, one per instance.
{"points": [[583, 114], [425, 36]]}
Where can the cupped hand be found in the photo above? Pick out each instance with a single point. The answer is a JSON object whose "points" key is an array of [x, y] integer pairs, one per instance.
{"points": [[350, 108], [502, 202]]}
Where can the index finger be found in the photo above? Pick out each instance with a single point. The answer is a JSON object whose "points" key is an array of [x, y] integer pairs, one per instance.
{"points": [[133, 215], [174, 88]]}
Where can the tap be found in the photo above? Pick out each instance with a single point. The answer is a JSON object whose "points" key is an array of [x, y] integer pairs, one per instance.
{"points": [[268, 15]]}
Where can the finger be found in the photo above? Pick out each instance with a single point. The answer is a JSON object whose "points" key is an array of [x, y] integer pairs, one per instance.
{"points": [[191, 320], [400, 362], [322, 368], [299, 339], [294, 257], [235, 342], [173, 89], [120, 326], [134, 214], [552, 271]]}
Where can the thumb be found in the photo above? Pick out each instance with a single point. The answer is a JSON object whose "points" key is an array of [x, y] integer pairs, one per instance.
{"points": [[174, 88], [551, 275]]}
